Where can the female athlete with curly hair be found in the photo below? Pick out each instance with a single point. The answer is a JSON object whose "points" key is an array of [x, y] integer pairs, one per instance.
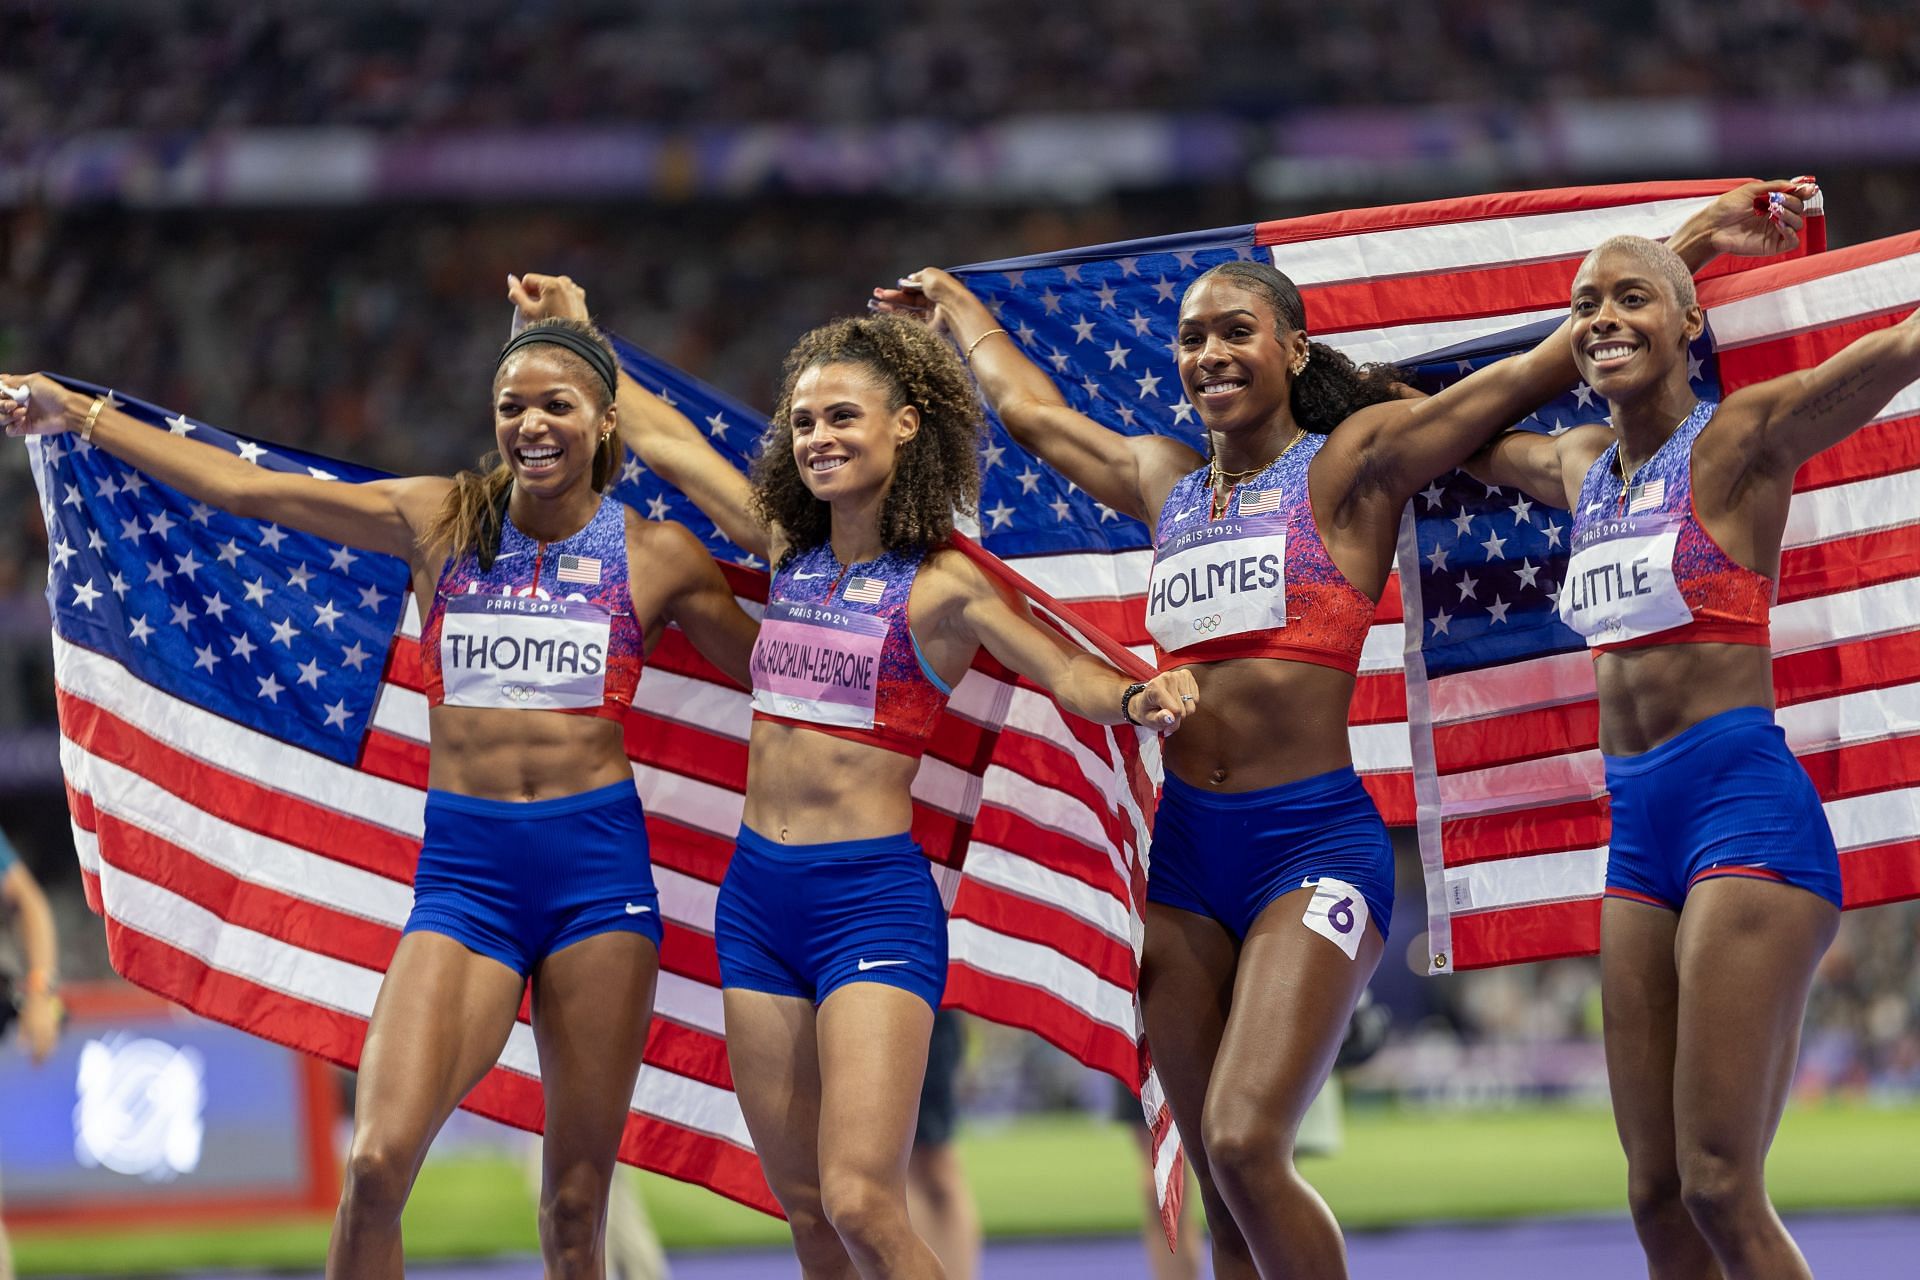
{"points": [[1271, 878], [831, 933]]}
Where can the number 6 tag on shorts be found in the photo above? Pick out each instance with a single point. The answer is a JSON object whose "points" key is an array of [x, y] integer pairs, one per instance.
{"points": [[1337, 913]]}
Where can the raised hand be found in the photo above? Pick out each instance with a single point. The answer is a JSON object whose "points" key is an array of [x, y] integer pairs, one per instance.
{"points": [[929, 294], [539, 297], [33, 404], [1759, 219]]}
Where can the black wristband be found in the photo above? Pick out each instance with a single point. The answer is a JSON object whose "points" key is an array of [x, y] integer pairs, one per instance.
{"points": [[1126, 701]]}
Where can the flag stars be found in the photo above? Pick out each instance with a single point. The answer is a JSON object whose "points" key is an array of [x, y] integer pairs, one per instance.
{"points": [[1495, 545], [1163, 289], [1091, 386], [1106, 512], [71, 497], [1082, 330], [1468, 585], [257, 591], [186, 565], [337, 714], [62, 553], [182, 615], [1051, 301], [284, 631], [179, 426], [630, 470], [990, 455], [216, 607], [1117, 355], [1149, 384], [326, 615], [1553, 533], [1061, 508], [119, 585], [204, 657], [228, 554], [1016, 279], [1432, 493], [160, 524], [1126, 415], [354, 655], [1463, 523], [371, 598], [129, 529], [1025, 334], [300, 577], [134, 483], [1002, 515], [1498, 609], [656, 508], [1527, 572], [95, 543], [1060, 360], [243, 647], [1182, 411], [1441, 621], [1185, 257], [1583, 396], [249, 451], [1029, 480], [200, 513], [270, 688], [1522, 511], [1438, 559], [717, 425], [85, 593], [140, 629], [310, 673], [341, 559], [272, 536], [156, 571], [1142, 325], [1106, 295], [321, 473], [1694, 367], [1071, 273], [107, 487]]}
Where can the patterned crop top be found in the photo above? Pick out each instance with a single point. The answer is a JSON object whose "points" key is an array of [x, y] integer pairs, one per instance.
{"points": [[836, 654], [549, 627], [1644, 571], [1256, 582]]}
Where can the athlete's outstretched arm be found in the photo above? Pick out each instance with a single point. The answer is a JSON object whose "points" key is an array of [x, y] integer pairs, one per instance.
{"points": [[1131, 474], [703, 602], [973, 611], [1794, 417], [1546, 468], [381, 515], [1397, 446], [662, 437]]}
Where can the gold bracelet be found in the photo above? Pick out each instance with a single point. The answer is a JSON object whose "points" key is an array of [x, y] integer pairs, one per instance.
{"points": [[93, 418], [974, 345]]}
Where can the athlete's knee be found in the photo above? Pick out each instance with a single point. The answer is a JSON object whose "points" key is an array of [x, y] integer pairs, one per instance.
{"points": [[378, 1179], [1719, 1190], [864, 1210], [1653, 1197], [572, 1218], [1244, 1148]]}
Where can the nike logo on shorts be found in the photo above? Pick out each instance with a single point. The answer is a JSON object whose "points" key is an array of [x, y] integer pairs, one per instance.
{"points": [[639, 910], [875, 964]]}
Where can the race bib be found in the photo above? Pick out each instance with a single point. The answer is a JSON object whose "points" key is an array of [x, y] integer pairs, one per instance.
{"points": [[519, 652], [1223, 578], [816, 663], [1337, 912], [1620, 584]]}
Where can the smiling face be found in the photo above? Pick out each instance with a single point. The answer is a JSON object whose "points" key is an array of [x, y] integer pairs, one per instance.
{"points": [[1236, 367], [1630, 328], [547, 419], [846, 433]]}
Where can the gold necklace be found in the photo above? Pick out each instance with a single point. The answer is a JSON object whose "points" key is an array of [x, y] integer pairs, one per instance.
{"points": [[1215, 475]]}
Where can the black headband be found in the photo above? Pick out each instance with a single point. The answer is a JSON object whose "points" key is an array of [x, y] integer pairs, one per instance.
{"points": [[586, 348]]}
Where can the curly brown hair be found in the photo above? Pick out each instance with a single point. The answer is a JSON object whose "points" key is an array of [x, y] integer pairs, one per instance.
{"points": [[935, 473], [1331, 387]]}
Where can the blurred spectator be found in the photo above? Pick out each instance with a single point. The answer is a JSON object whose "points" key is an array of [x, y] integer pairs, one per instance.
{"points": [[30, 998]]}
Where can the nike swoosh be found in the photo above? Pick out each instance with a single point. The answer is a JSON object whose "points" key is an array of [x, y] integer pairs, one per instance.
{"points": [[637, 911], [807, 577], [875, 964]]}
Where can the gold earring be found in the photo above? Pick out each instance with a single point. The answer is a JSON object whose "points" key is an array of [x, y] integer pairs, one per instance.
{"points": [[1300, 361]]}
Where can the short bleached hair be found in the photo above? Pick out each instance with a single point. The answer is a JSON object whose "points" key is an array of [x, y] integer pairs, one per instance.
{"points": [[1659, 261]]}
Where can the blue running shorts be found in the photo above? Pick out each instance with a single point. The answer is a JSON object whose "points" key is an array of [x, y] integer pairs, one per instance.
{"points": [[806, 919], [1723, 798], [518, 881], [1227, 855]]}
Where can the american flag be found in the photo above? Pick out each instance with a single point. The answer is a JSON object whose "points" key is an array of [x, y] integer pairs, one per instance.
{"points": [[582, 569], [863, 590], [1513, 813], [1383, 284]]}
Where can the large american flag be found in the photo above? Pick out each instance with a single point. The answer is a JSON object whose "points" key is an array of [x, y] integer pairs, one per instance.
{"points": [[1513, 812], [244, 741], [1382, 284]]}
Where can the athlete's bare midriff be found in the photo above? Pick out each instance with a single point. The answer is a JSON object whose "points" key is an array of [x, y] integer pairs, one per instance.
{"points": [[1652, 694], [808, 787], [1262, 722], [524, 755]]}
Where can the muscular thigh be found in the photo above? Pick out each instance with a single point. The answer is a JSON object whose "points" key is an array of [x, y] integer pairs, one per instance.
{"points": [[592, 1005], [873, 1057], [775, 1057], [1640, 1005]]}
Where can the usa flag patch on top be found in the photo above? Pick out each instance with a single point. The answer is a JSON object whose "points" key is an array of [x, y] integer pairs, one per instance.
{"points": [[581, 569], [864, 590]]}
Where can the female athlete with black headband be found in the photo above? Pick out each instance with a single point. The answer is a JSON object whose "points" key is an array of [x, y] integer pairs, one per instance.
{"points": [[1723, 884], [831, 934], [1271, 878], [534, 863]]}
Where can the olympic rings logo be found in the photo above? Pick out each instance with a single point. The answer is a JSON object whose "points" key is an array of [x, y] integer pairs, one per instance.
{"points": [[1207, 624]]}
